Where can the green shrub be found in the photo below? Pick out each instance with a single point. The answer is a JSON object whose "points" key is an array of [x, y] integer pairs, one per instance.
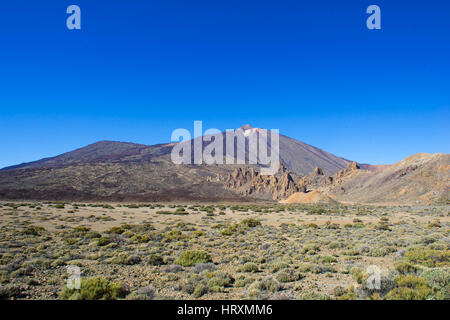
{"points": [[198, 233], [359, 275], [327, 259], [259, 286], [242, 281], [288, 276], [190, 257], [220, 279], [407, 294], [381, 252], [9, 291], [310, 248], [103, 241], [313, 296], [226, 232], [405, 267], [128, 234], [92, 235], [348, 294], [335, 245], [278, 265], [429, 258], [116, 230], [250, 267], [200, 290], [80, 230], [71, 241], [179, 213], [270, 284], [339, 291], [410, 281], [34, 230], [250, 223], [124, 258], [173, 235], [94, 289], [409, 288], [155, 259], [439, 281], [139, 238], [383, 226]]}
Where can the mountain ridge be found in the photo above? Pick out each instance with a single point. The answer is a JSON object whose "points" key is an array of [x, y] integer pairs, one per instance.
{"points": [[124, 171], [112, 170], [107, 150]]}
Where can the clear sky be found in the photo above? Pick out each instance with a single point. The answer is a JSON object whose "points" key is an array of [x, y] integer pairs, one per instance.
{"points": [[139, 69]]}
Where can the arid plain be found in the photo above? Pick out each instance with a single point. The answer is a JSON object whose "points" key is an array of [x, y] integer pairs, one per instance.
{"points": [[223, 251]]}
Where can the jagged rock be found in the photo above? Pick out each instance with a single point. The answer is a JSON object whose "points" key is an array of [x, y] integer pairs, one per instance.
{"points": [[353, 166], [317, 180], [249, 181], [348, 171]]}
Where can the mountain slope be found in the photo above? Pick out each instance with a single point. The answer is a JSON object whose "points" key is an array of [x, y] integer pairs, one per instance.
{"points": [[420, 178], [302, 158], [296, 156], [102, 151], [120, 171]]}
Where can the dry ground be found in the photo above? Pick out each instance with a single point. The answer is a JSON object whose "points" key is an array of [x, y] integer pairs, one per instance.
{"points": [[260, 251]]}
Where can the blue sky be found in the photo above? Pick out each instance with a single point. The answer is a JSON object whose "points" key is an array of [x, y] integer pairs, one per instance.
{"points": [[137, 70]]}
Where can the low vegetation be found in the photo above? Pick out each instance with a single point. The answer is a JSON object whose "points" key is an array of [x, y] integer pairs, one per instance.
{"points": [[240, 251]]}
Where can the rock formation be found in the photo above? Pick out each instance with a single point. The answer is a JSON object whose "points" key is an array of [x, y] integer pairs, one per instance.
{"points": [[250, 182]]}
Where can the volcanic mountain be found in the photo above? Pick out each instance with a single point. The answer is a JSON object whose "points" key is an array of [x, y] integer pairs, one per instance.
{"points": [[122, 171]]}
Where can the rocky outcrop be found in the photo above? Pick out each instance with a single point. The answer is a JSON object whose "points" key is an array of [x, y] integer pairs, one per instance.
{"points": [[249, 182], [318, 172], [344, 174], [313, 180], [318, 180]]}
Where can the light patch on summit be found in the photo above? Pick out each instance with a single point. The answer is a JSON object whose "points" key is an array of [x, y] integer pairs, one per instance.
{"points": [[249, 132]]}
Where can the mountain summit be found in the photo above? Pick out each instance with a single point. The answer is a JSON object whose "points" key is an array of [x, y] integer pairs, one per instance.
{"points": [[246, 127]]}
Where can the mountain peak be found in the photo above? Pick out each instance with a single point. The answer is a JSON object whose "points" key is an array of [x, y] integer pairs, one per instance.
{"points": [[246, 127]]}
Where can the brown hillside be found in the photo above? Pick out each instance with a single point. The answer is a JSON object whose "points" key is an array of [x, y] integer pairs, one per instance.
{"points": [[313, 197]]}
